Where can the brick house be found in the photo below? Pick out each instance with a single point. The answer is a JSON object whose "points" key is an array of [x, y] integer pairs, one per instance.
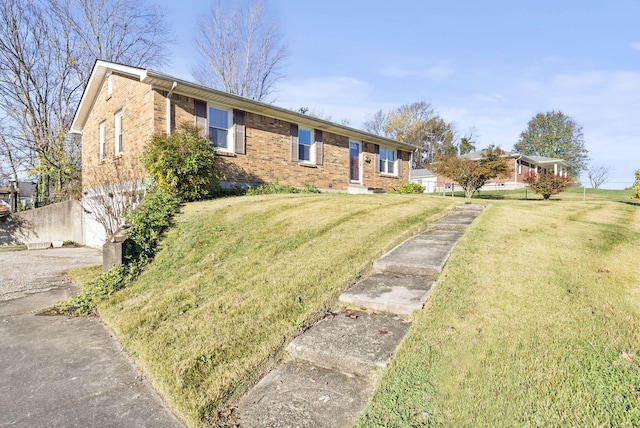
{"points": [[123, 106], [521, 166]]}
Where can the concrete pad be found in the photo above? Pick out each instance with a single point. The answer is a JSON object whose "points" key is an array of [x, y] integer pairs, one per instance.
{"points": [[38, 245], [71, 372], [38, 300], [393, 293], [298, 394], [351, 342], [424, 254]]}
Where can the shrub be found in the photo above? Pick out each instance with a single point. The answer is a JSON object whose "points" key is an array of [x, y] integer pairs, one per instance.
{"points": [[407, 188], [272, 188], [148, 222], [182, 163], [548, 184]]}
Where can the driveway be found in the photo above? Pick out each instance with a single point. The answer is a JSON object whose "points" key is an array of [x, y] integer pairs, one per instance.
{"points": [[64, 371]]}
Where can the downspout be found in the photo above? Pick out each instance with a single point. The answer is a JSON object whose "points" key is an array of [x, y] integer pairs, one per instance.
{"points": [[168, 103], [515, 173]]}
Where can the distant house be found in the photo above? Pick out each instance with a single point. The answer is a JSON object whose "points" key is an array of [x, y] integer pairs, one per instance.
{"points": [[123, 106], [521, 167]]}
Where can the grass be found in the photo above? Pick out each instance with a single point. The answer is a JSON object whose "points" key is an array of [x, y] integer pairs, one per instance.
{"points": [[238, 278], [535, 321], [571, 194], [84, 274]]}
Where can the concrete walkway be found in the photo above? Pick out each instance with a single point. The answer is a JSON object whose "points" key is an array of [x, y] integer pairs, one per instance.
{"points": [[65, 371], [331, 369]]}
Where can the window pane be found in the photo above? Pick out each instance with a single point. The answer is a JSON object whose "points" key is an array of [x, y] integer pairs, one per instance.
{"points": [[304, 153], [218, 118], [304, 137], [219, 137]]}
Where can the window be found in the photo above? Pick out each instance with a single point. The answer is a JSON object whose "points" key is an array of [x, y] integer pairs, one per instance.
{"points": [[219, 128], [119, 142], [103, 143], [387, 161], [304, 145]]}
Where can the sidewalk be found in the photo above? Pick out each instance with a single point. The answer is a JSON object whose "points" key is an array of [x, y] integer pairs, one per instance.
{"points": [[65, 371], [332, 368]]}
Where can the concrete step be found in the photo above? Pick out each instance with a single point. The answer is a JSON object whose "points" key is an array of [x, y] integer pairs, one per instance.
{"points": [[424, 254], [470, 207], [454, 222], [38, 245], [299, 394], [356, 343], [389, 292]]}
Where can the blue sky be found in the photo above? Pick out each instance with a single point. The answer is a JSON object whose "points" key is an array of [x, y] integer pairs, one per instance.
{"points": [[491, 64]]}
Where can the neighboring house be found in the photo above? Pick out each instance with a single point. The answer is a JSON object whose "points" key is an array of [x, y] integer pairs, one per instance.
{"points": [[425, 178], [521, 167], [123, 106]]}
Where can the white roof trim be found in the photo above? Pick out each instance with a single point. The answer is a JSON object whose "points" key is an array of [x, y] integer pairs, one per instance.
{"points": [[164, 82]]}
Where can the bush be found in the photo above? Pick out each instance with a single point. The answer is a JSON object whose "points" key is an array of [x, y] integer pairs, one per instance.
{"points": [[548, 184], [636, 187], [148, 222], [407, 188], [182, 163], [271, 188]]}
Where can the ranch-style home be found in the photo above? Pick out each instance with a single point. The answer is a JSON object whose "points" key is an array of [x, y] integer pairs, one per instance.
{"points": [[521, 166], [123, 106]]}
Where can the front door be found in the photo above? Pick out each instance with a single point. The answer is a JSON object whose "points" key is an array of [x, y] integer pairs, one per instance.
{"points": [[354, 161]]}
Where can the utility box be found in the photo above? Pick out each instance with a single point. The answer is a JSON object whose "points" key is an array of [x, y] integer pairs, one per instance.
{"points": [[113, 252]]}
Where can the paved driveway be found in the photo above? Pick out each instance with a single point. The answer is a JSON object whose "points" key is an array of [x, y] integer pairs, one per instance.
{"points": [[64, 371]]}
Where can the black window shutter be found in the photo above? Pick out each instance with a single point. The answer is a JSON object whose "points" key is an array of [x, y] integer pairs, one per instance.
{"points": [[319, 147], [376, 149], [200, 112], [294, 142], [239, 132], [399, 161]]}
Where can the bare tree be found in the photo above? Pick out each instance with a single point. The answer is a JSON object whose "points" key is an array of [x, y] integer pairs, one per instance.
{"points": [[598, 175], [241, 51], [376, 123], [124, 31], [111, 197], [47, 48]]}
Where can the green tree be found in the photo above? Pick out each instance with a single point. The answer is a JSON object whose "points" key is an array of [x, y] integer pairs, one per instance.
{"points": [[636, 187], [470, 174], [182, 163], [555, 135], [416, 124], [548, 184]]}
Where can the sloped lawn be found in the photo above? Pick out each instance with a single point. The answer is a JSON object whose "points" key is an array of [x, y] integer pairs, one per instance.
{"points": [[238, 278], [535, 321]]}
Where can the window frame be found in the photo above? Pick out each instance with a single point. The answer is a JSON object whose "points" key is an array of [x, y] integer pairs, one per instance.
{"points": [[118, 133], [102, 138], [230, 142], [311, 145], [385, 165]]}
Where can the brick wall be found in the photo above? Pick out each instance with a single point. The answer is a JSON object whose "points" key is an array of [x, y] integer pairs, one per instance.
{"points": [[268, 144], [136, 101]]}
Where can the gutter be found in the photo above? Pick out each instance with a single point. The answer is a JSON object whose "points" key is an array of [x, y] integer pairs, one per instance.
{"points": [[168, 103]]}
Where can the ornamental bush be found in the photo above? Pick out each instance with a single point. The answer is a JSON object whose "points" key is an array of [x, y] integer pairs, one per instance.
{"points": [[548, 184], [182, 163], [408, 188], [636, 187]]}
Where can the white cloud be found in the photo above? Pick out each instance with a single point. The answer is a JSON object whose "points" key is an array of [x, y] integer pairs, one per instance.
{"points": [[577, 82]]}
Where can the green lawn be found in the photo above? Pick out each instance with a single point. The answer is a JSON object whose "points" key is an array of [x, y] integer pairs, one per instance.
{"points": [[238, 278], [535, 321]]}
